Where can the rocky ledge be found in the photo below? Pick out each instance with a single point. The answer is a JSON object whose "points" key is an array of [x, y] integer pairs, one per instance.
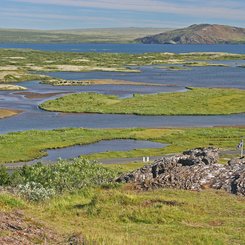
{"points": [[192, 170]]}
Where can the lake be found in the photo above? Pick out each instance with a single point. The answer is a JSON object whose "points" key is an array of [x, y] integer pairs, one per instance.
{"points": [[129, 48]]}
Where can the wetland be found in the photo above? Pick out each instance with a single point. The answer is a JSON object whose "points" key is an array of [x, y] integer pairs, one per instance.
{"points": [[151, 85], [77, 197]]}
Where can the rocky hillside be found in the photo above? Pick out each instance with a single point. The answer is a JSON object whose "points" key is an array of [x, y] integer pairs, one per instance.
{"points": [[198, 34]]}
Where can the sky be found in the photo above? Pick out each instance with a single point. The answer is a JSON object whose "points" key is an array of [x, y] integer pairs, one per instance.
{"points": [[73, 14]]}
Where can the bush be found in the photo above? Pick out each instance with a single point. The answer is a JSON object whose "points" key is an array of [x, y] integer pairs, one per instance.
{"points": [[39, 182], [66, 175], [4, 176], [35, 192]]}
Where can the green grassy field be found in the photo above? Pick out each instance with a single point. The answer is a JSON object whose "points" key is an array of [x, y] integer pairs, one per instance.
{"points": [[123, 216], [197, 101], [28, 145], [91, 35]]}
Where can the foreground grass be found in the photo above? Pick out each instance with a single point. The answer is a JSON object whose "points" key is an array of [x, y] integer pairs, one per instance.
{"points": [[28, 145], [197, 101], [123, 216]]}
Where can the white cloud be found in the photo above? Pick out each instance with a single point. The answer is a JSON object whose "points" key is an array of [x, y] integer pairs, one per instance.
{"points": [[214, 9]]}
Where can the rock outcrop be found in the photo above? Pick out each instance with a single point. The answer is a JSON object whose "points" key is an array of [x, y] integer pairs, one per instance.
{"points": [[193, 170], [198, 34]]}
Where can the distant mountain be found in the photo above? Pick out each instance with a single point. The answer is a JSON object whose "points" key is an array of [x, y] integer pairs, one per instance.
{"points": [[92, 35], [198, 34]]}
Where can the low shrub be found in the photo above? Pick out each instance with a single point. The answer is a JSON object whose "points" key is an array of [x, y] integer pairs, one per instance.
{"points": [[35, 191], [4, 176], [67, 174], [39, 182]]}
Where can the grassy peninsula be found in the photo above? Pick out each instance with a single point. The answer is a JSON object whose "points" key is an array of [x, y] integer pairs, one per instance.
{"points": [[196, 101], [31, 144]]}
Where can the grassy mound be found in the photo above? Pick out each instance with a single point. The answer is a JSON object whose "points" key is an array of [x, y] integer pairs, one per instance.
{"points": [[198, 101]]}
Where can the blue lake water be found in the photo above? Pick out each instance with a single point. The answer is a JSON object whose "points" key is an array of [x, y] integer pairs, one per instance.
{"points": [[98, 147], [129, 48], [101, 146], [208, 76]]}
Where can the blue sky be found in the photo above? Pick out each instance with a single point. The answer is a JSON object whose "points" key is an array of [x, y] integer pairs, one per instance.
{"points": [[71, 14]]}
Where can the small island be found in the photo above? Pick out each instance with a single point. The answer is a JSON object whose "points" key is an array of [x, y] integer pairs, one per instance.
{"points": [[196, 101]]}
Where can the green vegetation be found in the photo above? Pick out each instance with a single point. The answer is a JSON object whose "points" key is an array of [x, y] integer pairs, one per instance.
{"points": [[8, 202], [122, 216], [40, 182], [17, 65], [28, 145], [196, 101], [78, 197], [93, 35]]}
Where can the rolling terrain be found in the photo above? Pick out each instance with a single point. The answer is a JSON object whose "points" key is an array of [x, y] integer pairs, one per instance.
{"points": [[198, 34], [105, 35]]}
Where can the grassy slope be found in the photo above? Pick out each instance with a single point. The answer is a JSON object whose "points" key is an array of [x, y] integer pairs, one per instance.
{"points": [[198, 101], [208, 217], [23, 146]]}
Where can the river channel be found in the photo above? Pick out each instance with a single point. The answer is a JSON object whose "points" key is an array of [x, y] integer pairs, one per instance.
{"points": [[34, 118]]}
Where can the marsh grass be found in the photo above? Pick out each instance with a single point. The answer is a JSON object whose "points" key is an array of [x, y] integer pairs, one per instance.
{"points": [[28, 145]]}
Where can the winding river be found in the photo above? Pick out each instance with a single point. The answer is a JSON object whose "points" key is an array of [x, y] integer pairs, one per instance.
{"points": [[34, 118]]}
